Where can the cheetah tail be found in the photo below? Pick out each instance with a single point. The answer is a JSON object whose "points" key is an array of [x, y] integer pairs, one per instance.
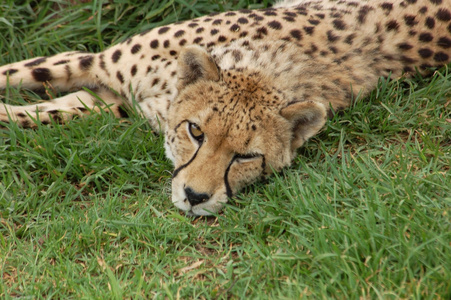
{"points": [[63, 72]]}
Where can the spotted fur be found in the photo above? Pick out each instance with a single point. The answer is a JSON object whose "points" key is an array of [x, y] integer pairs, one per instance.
{"points": [[236, 93]]}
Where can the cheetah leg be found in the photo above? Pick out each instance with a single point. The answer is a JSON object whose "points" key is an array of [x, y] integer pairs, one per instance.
{"points": [[63, 108]]}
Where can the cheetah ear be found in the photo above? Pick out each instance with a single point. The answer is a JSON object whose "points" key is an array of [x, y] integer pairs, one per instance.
{"points": [[193, 64], [307, 119]]}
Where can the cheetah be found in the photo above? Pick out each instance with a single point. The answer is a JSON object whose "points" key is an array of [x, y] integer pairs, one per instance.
{"points": [[237, 93]]}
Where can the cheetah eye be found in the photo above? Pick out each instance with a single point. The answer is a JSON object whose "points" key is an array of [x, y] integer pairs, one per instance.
{"points": [[195, 132]]}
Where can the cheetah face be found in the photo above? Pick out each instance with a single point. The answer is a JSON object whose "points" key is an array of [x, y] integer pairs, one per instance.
{"points": [[226, 129]]}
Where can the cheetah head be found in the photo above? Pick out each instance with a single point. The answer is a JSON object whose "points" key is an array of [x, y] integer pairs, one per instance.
{"points": [[226, 128]]}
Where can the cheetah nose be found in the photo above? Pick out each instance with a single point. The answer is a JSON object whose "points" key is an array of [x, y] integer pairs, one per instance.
{"points": [[195, 198]]}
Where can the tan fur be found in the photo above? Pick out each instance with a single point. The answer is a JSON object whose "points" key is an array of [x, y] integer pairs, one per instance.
{"points": [[257, 84]]}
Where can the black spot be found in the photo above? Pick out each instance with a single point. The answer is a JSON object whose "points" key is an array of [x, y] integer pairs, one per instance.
{"points": [[336, 15], [217, 22], [270, 13], [275, 25], [425, 66], [116, 56], [197, 40], [200, 29], [332, 37], [86, 62], [222, 39], [444, 42], [166, 44], [42, 74], [407, 59], [254, 127], [436, 2], [404, 46], [173, 53], [363, 12], [214, 31], [179, 33], [314, 22], [333, 50], [10, 72], [163, 30], [289, 19], [260, 33], [425, 37], [243, 34], [256, 17], [443, 15], [155, 57], [423, 10], [120, 76], [410, 20], [243, 21], [339, 24], [296, 34], [441, 57], [102, 64], [425, 52], [230, 14], [309, 29], [387, 6], [155, 82], [133, 70], [392, 25], [153, 44], [36, 62], [61, 62], [192, 25], [350, 38], [430, 22]]}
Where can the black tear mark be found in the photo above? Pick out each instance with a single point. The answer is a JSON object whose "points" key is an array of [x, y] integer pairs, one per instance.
{"points": [[226, 180], [177, 171]]}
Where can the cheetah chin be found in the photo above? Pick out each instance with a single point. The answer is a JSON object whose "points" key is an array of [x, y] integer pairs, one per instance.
{"points": [[237, 93]]}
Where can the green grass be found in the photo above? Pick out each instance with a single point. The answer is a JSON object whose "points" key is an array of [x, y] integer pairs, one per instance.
{"points": [[85, 208]]}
